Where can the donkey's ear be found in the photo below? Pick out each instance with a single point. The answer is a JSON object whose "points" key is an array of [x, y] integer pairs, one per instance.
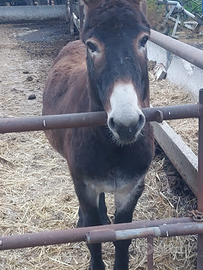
{"points": [[88, 4]]}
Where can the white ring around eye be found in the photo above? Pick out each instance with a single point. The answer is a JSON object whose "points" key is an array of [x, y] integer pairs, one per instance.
{"points": [[140, 42], [94, 47], [91, 46]]}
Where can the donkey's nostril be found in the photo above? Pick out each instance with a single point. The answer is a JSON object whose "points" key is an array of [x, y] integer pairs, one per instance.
{"points": [[112, 124], [141, 120]]}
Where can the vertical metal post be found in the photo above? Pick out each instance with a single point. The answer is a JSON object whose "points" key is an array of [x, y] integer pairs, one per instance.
{"points": [[71, 18], [176, 25], [81, 15], [200, 181], [150, 250]]}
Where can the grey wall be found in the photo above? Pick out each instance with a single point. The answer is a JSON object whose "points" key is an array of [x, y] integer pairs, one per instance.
{"points": [[29, 13], [179, 71]]}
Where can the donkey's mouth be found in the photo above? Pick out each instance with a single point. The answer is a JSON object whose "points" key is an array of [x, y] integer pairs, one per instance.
{"points": [[126, 134]]}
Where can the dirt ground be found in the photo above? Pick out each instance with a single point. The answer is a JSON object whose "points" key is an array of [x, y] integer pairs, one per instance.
{"points": [[36, 191]]}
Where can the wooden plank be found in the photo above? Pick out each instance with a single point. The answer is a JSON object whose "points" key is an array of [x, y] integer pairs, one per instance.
{"points": [[181, 156]]}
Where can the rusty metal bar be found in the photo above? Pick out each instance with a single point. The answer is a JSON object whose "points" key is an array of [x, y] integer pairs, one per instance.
{"points": [[171, 112], [200, 155], [52, 122], [150, 252], [158, 114], [185, 51], [78, 234], [200, 182], [165, 230]]}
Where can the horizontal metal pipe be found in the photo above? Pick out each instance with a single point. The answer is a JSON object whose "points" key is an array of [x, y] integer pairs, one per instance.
{"points": [[8, 125], [165, 230], [172, 112], [181, 229], [33, 123], [96, 236], [137, 233], [76, 235], [183, 50]]}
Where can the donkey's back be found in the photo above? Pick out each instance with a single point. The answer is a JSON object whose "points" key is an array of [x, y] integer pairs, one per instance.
{"points": [[66, 80]]}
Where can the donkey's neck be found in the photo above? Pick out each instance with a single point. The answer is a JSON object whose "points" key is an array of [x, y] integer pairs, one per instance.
{"points": [[94, 99]]}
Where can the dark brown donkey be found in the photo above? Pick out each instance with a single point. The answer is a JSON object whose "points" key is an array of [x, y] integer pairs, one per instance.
{"points": [[105, 70]]}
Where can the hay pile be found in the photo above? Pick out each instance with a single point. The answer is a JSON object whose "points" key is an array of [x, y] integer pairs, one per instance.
{"points": [[164, 94], [36, 191]]}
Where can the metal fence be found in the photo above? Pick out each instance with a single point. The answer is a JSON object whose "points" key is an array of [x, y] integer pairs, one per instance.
{"points": [[138, 229]]}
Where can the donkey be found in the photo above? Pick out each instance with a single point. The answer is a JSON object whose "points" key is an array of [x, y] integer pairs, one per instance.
{"points": [[105, 70]]}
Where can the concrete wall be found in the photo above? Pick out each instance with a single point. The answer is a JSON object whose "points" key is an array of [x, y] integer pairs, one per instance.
{"points": [[179, 71], [190, 78], [30, 13]]}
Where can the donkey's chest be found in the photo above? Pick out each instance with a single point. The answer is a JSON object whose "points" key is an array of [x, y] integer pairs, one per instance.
{"points": [[107, 166], [114, 181], [110, 172], [102, 162]]}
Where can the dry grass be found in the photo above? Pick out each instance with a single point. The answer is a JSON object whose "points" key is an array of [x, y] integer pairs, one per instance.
{"points": [[165, 94], [37, 194]]}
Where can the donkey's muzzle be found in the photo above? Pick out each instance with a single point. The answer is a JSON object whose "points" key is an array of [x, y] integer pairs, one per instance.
{"points": [[126, 132]]}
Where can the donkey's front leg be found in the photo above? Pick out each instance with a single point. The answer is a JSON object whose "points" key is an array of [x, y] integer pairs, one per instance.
{"points": [[90, 216], [96, 262], [102, 211], [125, 201]]}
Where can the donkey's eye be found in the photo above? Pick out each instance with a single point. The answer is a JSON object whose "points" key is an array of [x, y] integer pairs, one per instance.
{"points": [[91, 46], [143, 41]]}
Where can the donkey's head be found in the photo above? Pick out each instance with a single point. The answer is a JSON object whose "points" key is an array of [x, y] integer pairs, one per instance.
{"points": [[115, 33]]}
